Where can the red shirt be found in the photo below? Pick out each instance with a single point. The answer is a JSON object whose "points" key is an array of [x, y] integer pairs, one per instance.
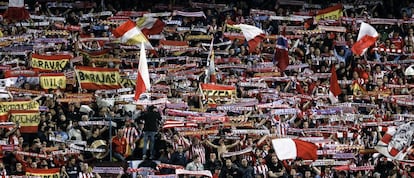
{"points": [[119, 144]]}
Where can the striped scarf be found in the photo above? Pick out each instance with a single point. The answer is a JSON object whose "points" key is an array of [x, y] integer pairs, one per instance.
{"points": [[85, 175]]}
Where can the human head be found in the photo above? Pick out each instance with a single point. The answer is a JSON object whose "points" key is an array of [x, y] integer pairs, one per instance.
{"points": [[229, 164]]}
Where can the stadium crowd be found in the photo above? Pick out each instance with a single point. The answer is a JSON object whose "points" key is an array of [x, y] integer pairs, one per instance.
{"points": [[181, 124]]}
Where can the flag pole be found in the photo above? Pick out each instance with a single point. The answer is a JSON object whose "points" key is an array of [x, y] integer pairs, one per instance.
{"points": [[78, 79], [211, 65]]}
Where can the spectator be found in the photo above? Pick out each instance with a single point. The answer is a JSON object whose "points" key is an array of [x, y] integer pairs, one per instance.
{"points": [[195, 165], [119, 145], [245, 170], [151, 120], [178, 157], [276, 168], [212, 164], [229, 170]]}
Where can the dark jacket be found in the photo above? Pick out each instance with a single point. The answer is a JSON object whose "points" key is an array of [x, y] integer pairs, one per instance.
{"points": [[178, 159], [226, 172], [151, 119], [246, 172]]}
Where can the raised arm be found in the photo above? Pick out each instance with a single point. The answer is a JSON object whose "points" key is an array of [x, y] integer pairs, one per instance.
{"points": [[211, 144], [234, 144]]}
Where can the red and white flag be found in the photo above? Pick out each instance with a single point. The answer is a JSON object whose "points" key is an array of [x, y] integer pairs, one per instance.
{"points": [[252, 34], [150, 25], [212, 66], [143, 80], [287, 148], [16, 11], [334, 87], [130, 34], [396, 142], [366, 37]]}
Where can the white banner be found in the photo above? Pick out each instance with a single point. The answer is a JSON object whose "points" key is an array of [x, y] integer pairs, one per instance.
{"points": [[284, 111]]}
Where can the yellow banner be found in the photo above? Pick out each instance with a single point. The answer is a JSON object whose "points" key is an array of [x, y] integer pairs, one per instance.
{"points": [[218, 94], [43, 173], [98, 78], [330, 13], [198, 37], [5, 107], [127, 83], [53, 81], [28, 120], [50, 63]]}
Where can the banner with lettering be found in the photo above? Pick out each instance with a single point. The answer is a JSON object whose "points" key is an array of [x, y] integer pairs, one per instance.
{"points": [[18, 77], [50, 63], [52, 80], [29, 120], [330, 13], [96, 78], [215, 93], [51, 172], [5, 107]]}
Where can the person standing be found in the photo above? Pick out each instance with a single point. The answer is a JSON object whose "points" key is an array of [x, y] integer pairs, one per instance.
{"points": [[151, 120]]}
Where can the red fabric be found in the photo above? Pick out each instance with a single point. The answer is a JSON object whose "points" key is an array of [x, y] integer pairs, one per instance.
{"points": [[139, 87], [253, 43], [306, 150], [122, 29], [155, 29], [282, 54], [16, 13], [119, 144], [342, 168], [334, 85], [363, 43]]}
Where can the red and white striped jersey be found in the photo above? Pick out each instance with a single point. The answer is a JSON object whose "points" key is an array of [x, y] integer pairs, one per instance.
{"points": [[261, 169], [131, 134], [182, 142], [282, 129], [199, 150]]}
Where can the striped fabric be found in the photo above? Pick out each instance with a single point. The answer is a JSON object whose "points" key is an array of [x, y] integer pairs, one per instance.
{"points": [[180, 142], [131, 134], [85, 175], [388, 50], [198, 150], [261, 169], [130, 34], [283, 129]]}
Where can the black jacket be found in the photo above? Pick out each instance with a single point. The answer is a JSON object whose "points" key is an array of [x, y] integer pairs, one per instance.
{"points": [[152, 120]]}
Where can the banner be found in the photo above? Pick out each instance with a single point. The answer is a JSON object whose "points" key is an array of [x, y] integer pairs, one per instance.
{"points": [[5, 107], [18, 77], [330, 13], [96, 78], [200, 132], [74, 100], [28, 120], [214, 92], [196, 173], [50, 63], [52, 81], [51, 172], [244, 151]]}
